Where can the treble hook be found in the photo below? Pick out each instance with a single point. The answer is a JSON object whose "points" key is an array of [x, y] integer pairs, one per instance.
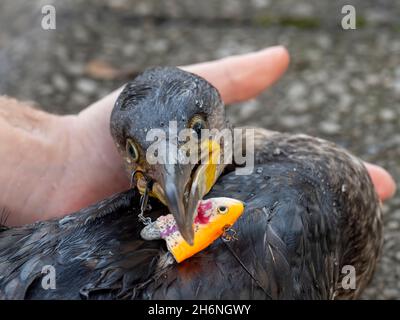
{"points": [[229, 234]]}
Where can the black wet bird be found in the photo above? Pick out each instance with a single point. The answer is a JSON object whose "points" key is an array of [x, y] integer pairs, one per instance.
{"points": [[311, 210]]}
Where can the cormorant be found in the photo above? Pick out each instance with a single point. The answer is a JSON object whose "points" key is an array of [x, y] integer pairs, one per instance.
{"points": [[311, 211]]}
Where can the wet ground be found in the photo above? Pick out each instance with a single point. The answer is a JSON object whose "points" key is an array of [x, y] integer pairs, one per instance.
{"points": [[342, 85]]}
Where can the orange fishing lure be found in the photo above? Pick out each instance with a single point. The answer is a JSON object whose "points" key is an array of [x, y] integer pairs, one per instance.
{"points": [[214, 216]]}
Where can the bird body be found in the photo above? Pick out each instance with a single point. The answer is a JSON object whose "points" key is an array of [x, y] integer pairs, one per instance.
{"points": [[311, 213], [299, 229]]}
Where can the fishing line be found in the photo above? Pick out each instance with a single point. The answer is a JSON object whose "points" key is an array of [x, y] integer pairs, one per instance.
{"points": [[245, 268]]}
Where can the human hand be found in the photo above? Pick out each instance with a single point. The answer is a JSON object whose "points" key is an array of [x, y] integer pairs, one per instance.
{"points": [[58, 164]]}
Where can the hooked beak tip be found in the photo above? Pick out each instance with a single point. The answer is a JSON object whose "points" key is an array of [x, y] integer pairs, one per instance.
{"points": [[188, 234], [183, 219]]}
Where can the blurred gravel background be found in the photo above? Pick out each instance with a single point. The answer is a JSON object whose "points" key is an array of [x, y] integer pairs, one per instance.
{"points": [[342, 85]]}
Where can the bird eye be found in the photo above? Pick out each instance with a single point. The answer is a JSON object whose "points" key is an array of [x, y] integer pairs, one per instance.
{"points": [[222, 210], [132, 150], [197, 123]]}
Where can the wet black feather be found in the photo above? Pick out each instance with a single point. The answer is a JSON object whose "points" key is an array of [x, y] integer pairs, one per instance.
{"points": [[294, 237]]}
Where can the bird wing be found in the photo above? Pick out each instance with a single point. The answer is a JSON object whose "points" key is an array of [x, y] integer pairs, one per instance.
{"points": [[95, 252]]}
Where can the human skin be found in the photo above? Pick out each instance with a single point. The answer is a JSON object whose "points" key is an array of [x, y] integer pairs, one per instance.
{"points": [[53, 165]]}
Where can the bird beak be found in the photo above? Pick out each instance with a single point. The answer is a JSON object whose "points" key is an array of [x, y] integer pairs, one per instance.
{"points": [[183, 185], [174, 178]]}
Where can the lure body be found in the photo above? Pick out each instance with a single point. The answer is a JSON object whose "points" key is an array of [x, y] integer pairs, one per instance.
{"points": [[214, 217]]}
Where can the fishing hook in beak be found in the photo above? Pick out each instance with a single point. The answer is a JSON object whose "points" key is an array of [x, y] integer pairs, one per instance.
{"points": [[144, 197]]}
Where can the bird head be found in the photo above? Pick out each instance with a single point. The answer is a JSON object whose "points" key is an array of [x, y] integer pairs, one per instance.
{"points": [[159, 124]]}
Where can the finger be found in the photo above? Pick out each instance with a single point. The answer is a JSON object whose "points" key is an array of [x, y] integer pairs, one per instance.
{"points": [[383, 181], [242, 77]]}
